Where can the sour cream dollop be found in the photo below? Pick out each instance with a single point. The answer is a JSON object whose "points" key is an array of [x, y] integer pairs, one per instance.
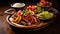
{"points": [[18, 5]]}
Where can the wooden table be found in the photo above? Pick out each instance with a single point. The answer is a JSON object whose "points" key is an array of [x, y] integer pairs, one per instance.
{"points": [[54, 28]]}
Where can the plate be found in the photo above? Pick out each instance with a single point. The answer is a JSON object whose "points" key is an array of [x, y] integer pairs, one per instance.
{"points": [[34, 27], [49, 18]]}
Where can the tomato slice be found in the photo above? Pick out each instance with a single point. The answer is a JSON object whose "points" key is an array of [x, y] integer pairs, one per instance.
{"points": [[41, 4], [19, 13], [31, 7]]}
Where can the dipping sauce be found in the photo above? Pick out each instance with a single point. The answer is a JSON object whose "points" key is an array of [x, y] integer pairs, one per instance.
{"points": [[18, 5]]}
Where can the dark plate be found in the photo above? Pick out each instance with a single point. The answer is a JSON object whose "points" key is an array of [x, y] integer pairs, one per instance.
{"points": [[36, 27]]}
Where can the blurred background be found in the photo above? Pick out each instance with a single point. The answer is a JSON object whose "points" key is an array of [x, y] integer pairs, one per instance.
{"points": [[56, 3]]}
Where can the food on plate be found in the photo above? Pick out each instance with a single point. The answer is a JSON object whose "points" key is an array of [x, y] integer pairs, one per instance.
{"points": [[16, 17], [19, 12], [45, 15], [30, 20], [35, 9], [27, 12], [43, 3], [31, 7], [25, 17], [38, 10], [24, 12], [29, 17]]}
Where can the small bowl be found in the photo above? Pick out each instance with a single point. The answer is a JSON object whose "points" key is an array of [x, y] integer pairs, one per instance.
{"points": [[49, 18], [50, 4], [17, 7], [45, 7]]}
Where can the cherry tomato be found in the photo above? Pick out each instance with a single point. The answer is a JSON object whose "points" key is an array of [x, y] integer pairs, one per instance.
{"points": [[19, 13], [29, 6], [41, 4], [42, 0], [33, 8], [47, 4]]}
